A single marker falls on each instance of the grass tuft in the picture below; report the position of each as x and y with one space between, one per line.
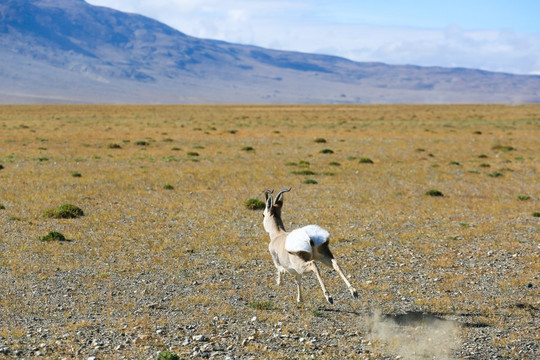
168 187
326 151
262 305
434 192
495 174
66 211
248 148
536 214
167 355
142 143
304 172
523 197
53 236
254 204
76 174
365 160
114 146
503 147
320 140
310 181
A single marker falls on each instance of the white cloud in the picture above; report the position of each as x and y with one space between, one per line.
295 25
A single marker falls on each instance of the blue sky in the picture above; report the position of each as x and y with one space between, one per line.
491 35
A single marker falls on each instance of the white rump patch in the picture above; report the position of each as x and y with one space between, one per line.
300 239
317 234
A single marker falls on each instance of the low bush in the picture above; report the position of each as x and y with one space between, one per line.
310 181
434 192
53 236
365 160
66 211
167 355
255 204
326 151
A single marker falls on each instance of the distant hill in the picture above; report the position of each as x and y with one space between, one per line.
68 51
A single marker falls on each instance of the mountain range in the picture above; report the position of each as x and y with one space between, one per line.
68 51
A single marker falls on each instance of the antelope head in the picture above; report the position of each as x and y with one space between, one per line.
272 211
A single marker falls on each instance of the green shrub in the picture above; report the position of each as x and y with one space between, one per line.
310 181
192 153
2 207
326 151
304 172
167 355
248 148
168 187
484 165
495 174
503 147
262 305
76 174
53 236
536 214
114 146
1 166
255 204
455 163
304 163
523 197
66 211
365 160
142 143
434 192
334 163
482 156
320 140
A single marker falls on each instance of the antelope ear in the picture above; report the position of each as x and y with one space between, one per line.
269 203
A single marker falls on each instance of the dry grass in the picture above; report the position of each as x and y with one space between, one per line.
436 252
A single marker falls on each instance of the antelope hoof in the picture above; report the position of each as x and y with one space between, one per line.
330 300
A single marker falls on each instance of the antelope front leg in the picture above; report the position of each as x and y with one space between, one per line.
313 267
299 298
279 277
336 267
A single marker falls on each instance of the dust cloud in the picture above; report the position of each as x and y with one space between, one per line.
414 335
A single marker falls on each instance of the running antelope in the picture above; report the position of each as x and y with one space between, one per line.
297 251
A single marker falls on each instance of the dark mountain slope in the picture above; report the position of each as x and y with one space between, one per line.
70 51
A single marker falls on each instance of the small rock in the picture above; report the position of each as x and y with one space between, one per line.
200 338
253 319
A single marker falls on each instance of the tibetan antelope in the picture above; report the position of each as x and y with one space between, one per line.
297 251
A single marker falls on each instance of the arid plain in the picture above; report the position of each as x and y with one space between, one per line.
167 256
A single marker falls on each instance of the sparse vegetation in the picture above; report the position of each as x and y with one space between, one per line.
310 181
262 305
254 204
168 355
76 174
66 211
502 147
326 151
168 187
523 197
114 146
365 160
142 143
304 172
320 140
53 236
434 192
248 148
154 270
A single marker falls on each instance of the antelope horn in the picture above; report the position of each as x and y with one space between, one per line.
267 193
279 195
